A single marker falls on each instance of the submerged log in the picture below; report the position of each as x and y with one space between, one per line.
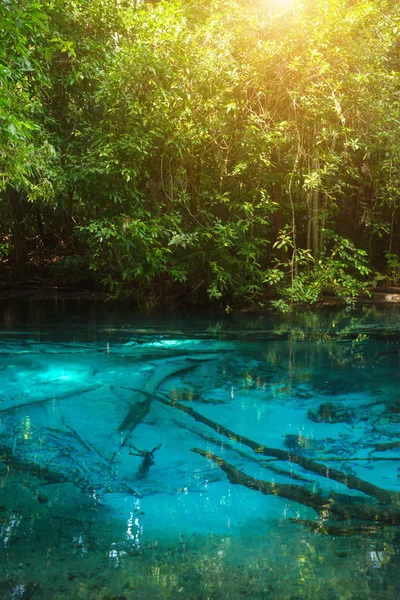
136 414
326 528
138 411
294 492
26 466
387 446
172 370
33 403
360 459
268 463
328 506
350 481
81 440
334 507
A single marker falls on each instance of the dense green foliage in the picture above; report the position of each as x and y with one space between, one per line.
214 151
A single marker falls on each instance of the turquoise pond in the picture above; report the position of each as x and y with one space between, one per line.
135 450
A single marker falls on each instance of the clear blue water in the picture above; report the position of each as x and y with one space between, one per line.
86 511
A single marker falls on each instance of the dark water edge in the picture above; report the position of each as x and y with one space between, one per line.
91 308
59 541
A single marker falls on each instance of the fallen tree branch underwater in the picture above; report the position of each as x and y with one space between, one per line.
350 481
387 446
343 507
139 410
8 457
325 528
267 463
327 507
387 512
53 398
360 459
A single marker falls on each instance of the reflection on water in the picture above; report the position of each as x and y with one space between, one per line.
199 457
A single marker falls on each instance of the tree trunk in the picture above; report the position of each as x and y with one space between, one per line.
40 227
278 224
276 193
19 247
309 222
69 220
315 200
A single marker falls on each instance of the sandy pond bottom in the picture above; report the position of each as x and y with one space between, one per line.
82 516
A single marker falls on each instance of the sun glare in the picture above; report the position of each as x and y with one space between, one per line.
282 5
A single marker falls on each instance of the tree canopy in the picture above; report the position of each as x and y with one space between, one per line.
223 152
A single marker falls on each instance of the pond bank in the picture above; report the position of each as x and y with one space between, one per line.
25 292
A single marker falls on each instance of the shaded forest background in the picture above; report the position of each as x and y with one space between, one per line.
208 152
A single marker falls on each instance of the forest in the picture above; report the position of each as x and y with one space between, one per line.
217 153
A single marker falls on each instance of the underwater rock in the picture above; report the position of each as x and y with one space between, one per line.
303 394
328 412
299 443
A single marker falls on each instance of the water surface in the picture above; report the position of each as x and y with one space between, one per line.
105 420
